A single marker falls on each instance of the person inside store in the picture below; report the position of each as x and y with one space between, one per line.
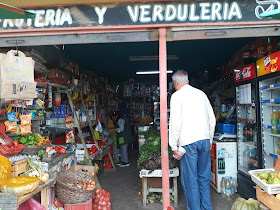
191 131
124 137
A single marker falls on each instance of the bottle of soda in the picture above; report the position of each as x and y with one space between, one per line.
223 187
232 186
245 130
228 190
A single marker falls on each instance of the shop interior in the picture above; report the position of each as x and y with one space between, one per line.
105 77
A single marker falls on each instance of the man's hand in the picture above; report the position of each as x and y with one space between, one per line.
177 155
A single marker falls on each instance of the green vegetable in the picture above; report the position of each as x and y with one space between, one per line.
41 153
21 139
250 204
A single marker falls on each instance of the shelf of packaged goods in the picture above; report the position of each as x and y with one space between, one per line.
271 127
271 155
275 135
243 169
245 120
243 104
271 87
271 102
249 144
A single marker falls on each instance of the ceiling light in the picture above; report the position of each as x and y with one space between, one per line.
152 72
151 58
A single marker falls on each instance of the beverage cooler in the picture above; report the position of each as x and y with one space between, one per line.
268 73
248 154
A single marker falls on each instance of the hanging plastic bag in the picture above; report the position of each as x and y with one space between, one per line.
31 204
12 117
70 137
25 129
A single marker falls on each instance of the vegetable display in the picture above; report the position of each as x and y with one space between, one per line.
20 185
35 170
101 200
5 167
33 139
151 151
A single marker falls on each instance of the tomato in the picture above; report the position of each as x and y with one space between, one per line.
90 152
60 149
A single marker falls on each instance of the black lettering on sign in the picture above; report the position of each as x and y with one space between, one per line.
18 88
14 89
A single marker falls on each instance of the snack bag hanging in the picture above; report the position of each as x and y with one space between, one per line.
25 129
70 137
26 119
12 117
10 126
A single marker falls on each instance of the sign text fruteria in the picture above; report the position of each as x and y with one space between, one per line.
144 13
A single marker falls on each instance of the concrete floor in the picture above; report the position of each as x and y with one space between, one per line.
124 185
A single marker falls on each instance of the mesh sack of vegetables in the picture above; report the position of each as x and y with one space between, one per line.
250 204
69 189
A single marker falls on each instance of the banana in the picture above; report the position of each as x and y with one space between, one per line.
88 98
96 134
9 109
75 95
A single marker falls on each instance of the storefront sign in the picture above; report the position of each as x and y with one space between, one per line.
268 64
145 13
245 73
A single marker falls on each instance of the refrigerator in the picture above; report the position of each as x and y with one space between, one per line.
248 151
268 77
223 161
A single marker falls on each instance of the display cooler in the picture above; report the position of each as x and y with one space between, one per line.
248 154
269 92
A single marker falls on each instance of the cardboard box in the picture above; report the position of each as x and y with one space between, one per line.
89 170
269 200
155 182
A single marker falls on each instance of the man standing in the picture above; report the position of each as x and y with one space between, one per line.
191 131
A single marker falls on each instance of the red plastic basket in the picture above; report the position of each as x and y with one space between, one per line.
6 147
107 162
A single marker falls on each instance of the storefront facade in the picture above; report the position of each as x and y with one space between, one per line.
76 23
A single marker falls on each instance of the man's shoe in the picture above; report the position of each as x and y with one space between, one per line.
118 163
125 164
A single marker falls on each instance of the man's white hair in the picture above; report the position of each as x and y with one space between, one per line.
180 76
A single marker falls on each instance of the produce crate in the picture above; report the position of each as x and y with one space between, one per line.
269 200
269 188
226 128
19 167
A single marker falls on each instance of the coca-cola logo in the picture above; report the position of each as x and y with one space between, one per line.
244 73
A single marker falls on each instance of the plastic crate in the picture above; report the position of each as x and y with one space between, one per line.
226 128
6 148
269 188
158 173
107 162
79 206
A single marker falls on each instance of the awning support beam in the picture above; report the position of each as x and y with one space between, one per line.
163 118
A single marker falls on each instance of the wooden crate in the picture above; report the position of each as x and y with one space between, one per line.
19 167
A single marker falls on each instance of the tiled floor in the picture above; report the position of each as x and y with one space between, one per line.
124 185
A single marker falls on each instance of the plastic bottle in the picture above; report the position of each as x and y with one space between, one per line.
228 190
223 187
232 186
274 121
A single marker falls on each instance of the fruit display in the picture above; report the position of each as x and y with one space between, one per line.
272 177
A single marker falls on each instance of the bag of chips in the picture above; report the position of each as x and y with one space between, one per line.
25 129
10 126
26 119
70 137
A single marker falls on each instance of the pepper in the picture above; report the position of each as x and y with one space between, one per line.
60 149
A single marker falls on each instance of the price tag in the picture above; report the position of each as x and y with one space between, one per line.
272 100
271 86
